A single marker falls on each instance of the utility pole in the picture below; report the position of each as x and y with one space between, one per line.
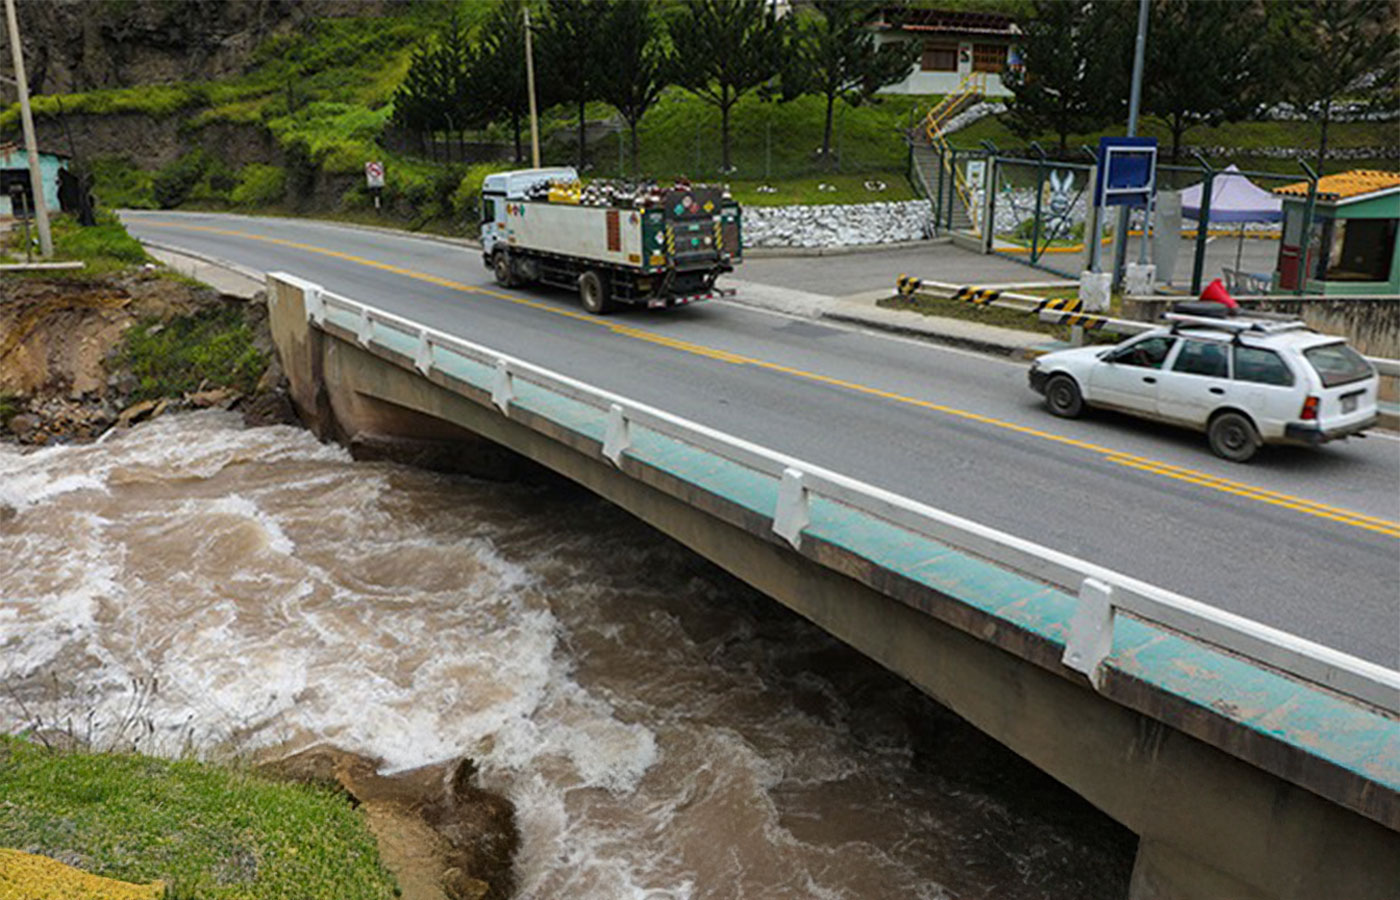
36 177
530 83
1120 250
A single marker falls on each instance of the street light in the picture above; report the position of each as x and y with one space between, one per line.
36 177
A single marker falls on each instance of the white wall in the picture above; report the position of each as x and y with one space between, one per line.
921 82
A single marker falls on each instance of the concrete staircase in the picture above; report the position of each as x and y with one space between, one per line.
933 179
932 154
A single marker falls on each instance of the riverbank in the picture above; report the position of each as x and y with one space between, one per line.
86 356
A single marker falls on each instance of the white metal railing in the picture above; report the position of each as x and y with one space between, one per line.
1102 592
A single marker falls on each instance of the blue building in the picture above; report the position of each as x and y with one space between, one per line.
14 164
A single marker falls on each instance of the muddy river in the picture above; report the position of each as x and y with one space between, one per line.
664 731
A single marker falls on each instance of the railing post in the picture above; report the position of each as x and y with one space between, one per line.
618 437
364 331
791 516
1039 191
423 355
1305 239
1090 639
315 304
1202 225
503 387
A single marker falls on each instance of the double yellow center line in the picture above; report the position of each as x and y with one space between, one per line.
1139 463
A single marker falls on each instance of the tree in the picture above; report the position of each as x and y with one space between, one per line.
1189 79
1329 50
1072 77
834 54
721 50
500 76
569 53
438 91
634 73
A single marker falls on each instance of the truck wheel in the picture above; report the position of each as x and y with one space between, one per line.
1063 398
500 265
593 293
1232 436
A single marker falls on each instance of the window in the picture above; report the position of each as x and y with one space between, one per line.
1148 354
1261 367
1337 364
488 209
1202 358
940 57
1356 249
988 57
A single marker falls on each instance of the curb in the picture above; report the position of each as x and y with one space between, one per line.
236 268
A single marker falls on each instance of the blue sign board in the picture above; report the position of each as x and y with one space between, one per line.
1127 171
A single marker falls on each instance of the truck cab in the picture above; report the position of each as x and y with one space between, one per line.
500 187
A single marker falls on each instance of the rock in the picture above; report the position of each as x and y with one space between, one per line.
23 425
138 412
458 885
220 397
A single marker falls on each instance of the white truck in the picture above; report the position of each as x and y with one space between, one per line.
655 246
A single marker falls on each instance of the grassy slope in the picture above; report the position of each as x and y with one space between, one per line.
208 831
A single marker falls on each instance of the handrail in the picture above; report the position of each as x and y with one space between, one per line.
973 84
1102 591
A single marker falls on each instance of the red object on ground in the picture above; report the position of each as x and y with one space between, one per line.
1215 293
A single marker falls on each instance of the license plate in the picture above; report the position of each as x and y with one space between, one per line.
1349 402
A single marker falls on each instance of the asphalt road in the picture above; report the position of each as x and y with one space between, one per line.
1303 540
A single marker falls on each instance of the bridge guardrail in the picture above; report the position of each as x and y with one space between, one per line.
1102 592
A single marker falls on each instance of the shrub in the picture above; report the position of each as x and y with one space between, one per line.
465 202
259 185
118 182
173 182
213 347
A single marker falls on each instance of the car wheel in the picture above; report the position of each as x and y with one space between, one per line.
500 265
1063 398
1232 436
593 293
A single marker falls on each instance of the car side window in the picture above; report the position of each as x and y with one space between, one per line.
1148 354
1260 366
1202 358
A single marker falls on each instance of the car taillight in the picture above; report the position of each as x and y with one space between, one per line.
1309 413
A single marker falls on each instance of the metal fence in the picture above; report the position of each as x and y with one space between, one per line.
1028 206
803 493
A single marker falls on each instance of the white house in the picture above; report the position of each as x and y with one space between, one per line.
955 43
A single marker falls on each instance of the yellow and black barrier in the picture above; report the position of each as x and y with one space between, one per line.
906 285
975 295
1051 310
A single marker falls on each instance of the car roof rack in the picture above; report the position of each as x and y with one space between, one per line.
1238 325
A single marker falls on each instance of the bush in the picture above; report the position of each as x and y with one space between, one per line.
104 247
465 201
213 348
260 185
120 183
174 182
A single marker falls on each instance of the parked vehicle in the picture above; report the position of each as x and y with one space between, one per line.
613 243
1243 381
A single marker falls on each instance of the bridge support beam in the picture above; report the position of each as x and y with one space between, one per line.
1211 825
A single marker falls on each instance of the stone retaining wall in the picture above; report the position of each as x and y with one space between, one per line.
838 225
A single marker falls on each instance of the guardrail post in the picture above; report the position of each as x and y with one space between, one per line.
314 303
503 387
791 516
364 332
423 356
1090 638
618 438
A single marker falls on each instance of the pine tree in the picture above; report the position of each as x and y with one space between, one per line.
835 55
721 50
568 55
633 73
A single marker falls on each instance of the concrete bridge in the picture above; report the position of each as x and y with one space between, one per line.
1251 763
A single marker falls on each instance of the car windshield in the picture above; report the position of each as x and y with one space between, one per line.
1337 364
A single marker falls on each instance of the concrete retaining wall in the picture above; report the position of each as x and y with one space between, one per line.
837 225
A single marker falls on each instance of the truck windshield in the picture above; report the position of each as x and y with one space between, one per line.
1337 364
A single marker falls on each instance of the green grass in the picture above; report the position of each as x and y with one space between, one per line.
989 315
210 832
103 248
212 348
9 407
805 190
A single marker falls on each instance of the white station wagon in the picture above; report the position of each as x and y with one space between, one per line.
1243 381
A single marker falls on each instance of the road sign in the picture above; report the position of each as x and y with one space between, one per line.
374 174
1127 171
